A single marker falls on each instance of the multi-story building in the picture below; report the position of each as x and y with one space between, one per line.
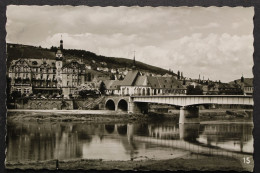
49 76
33 76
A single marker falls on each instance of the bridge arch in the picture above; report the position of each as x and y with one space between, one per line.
122 105
110 128
122 130
110 105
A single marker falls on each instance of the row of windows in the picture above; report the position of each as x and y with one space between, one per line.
73 76
25 90
72 70
73 83
249 88
24 69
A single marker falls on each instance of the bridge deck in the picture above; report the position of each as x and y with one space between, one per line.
186 100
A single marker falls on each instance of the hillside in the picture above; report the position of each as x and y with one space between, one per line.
16 51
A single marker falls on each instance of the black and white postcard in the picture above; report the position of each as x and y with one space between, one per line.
129 88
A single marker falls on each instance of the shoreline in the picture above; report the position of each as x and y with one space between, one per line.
113 116
185 163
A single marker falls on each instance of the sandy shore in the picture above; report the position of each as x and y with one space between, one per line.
202 163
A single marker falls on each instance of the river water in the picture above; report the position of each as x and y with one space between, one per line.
157 140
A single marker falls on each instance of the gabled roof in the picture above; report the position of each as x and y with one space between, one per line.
108 83
116 84
141 81
248 82
74 64
130 78
164 82
36 62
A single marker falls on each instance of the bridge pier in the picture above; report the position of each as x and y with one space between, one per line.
189 114
137 107
189 132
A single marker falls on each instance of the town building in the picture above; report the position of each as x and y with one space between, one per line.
53 75
246 84
136 84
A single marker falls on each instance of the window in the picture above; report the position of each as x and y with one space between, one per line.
18 89
26 90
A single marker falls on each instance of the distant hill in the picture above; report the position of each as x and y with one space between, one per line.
16 51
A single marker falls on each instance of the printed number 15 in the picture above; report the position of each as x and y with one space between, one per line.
246 160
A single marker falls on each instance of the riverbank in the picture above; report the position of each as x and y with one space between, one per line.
113 116
73 116
186 163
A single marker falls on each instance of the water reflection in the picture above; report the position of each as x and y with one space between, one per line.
64 141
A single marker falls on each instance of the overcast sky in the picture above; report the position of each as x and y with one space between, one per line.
216 43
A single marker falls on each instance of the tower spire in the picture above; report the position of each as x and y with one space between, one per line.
134 61
61 43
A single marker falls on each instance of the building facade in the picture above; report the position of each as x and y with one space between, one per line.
50 76
136 84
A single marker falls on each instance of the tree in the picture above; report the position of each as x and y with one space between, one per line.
184 82
194 91
178 73
89 76
87 89
112 77
102 88
121 77
16 94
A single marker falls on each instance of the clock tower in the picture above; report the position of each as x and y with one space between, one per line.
59 59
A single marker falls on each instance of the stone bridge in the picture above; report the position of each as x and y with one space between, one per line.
117 103
188 104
